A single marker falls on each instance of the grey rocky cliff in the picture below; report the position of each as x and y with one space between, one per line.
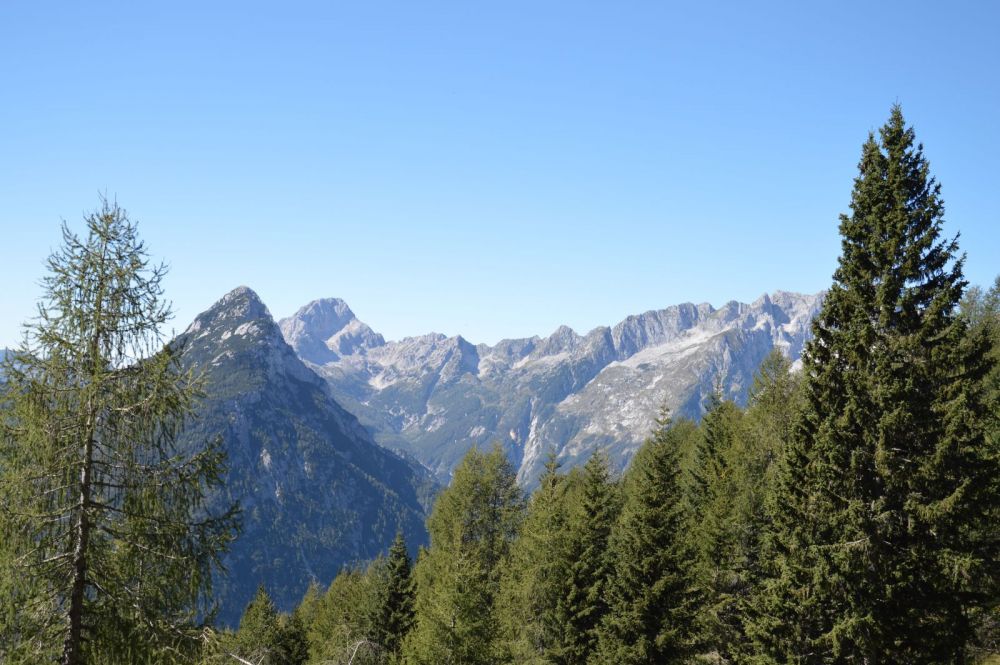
434 397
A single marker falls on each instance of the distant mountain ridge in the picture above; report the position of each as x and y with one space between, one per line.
434 396
316 491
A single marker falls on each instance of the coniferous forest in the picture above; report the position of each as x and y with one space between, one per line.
848 513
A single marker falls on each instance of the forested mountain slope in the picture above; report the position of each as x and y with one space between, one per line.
315 490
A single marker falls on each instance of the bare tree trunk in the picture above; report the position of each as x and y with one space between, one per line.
74 638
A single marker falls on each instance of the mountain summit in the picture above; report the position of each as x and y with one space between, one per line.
434 397
316 491
326 330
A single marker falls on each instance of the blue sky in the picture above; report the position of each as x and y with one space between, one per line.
483 168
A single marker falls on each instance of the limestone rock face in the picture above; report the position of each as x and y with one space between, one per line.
433 397
326 330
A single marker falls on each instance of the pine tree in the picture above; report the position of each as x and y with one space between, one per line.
652 600
392 608
103 507
883 537
590 562
535 582
472 526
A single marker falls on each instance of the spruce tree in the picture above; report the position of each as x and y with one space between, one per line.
768 424
472 526
590 562
651 592
293 640
715 530
101 505
391 617
981 309
259 633
535 582
338 625
268 637
883 537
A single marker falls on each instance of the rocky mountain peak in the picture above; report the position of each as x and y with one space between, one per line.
563 339
316 491
240 312
326 330
322 317
237 337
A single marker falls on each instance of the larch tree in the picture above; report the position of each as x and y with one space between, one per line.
259 634
338 622
103 510
885 537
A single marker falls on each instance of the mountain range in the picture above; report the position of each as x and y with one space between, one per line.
433 397
337 438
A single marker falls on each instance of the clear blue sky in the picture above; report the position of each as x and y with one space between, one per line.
492 169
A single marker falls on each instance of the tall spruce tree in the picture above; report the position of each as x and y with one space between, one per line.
651 594
883 538
392 610
535 582
102 505
716 530
472 526
266 636
338 623
590 561
981 308
773 402
259 636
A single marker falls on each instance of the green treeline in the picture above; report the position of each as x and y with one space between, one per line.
850 513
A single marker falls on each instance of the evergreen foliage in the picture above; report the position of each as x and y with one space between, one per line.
715 530
883 539
767 426
107 544
392 607
981 309
267 637
472 527
651 592
337 624
535 583
590 559
258 634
